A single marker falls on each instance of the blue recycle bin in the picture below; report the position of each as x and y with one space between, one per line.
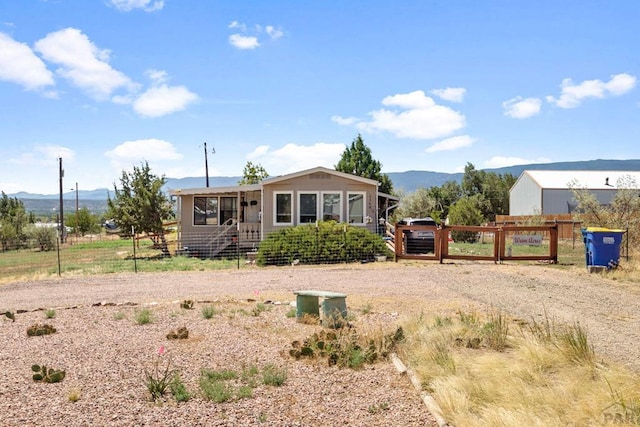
602 247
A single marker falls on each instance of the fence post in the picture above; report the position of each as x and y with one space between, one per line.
135 258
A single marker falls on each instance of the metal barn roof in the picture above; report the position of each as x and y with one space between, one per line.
593 180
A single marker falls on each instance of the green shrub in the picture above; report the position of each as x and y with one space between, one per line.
328 242
44 237
144 316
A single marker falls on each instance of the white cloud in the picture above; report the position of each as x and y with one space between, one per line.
451 144
572 95
243 42
236 24
146 5
519 108
82 62
18 64
273 32
417 116
292 157
344 121
500 161
162 100
132 153
453 94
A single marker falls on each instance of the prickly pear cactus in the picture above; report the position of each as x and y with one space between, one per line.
178 334
38 329
47 375
187 304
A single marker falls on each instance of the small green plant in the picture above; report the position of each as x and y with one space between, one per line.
214 389
119 315
10 315
158 378
186 304
178 389
440 322
273 376
178 334
47 375
38 330
50 313
259 308
380 407
208 311
249 374
144 316
244 392
291 313
468 319
222 375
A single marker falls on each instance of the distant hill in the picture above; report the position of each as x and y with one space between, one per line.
409 181
412 180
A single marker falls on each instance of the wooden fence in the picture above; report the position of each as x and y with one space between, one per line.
501 250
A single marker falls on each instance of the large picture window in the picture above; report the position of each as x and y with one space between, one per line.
205 211
356 207
331 207
283 208
308 207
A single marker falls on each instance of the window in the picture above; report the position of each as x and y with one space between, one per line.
205 211
228 208
283 208
308 207
356 208
331 207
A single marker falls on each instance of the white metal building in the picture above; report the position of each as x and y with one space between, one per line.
548 192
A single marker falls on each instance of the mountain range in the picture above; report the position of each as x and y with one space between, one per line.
408 181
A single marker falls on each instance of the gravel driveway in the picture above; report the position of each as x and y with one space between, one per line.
104 358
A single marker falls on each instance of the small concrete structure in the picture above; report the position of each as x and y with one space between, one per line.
334 306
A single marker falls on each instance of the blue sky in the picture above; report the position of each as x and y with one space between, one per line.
430 85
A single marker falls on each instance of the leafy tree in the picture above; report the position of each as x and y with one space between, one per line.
44 237
418 204
87 223
623 211
253 174
357 160
13 219
491 188
444 197
141 203
466 211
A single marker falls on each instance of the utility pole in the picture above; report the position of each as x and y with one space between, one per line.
63 233
206 163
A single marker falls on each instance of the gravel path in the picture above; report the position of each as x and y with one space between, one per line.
105 357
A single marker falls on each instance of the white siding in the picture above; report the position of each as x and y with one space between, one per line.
548 192
525 197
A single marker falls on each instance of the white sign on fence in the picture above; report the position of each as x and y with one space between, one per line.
527 239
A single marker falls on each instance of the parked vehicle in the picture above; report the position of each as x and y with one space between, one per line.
419 241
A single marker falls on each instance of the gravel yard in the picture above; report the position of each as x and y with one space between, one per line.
105 352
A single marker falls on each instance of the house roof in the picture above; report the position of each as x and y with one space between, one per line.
215 190
592 180
272 180
318 169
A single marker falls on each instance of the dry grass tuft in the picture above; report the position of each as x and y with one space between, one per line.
544 375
